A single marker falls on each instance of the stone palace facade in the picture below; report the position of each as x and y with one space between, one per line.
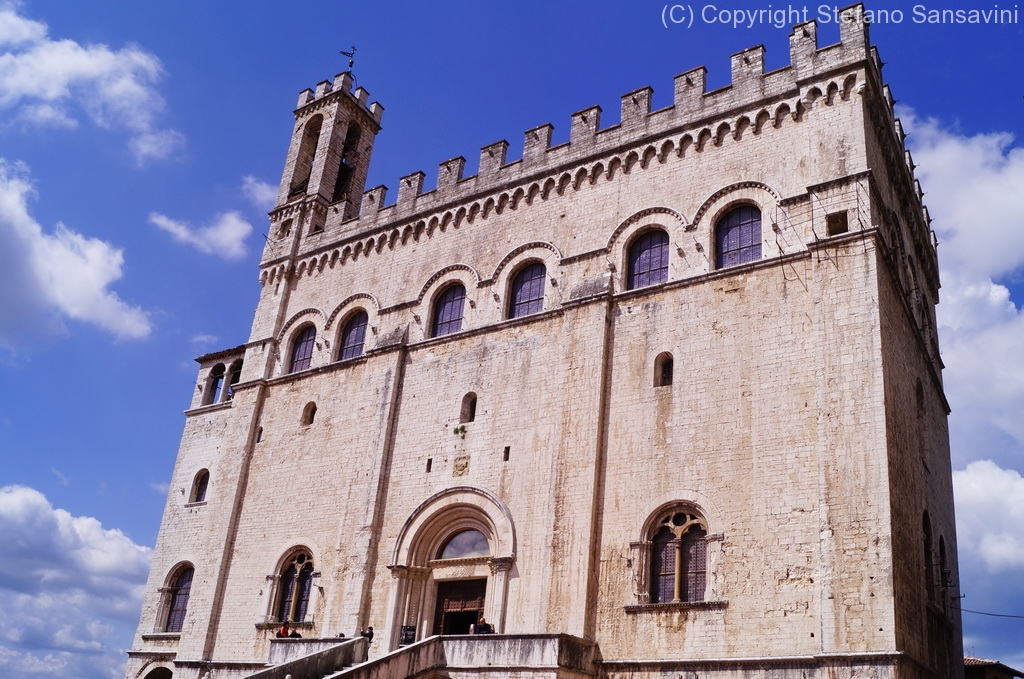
662 401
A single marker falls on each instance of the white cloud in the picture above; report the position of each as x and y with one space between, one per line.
973 193
16 30
52 82
225 237
48 116
155 145
67 586
990 515
46 276
972 186
260 193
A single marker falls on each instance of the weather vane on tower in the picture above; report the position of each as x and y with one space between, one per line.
351 57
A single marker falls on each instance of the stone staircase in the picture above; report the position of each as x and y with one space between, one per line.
311 658
540 656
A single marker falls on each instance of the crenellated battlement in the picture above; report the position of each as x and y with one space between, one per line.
697 120
342 85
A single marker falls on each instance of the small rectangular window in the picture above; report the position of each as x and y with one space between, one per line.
837 223
504 456
430 463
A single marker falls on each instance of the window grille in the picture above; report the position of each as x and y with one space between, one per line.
302 350
448 311
648 260
353 336
528 291
179 600
738 237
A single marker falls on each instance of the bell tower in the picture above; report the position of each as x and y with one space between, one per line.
329 155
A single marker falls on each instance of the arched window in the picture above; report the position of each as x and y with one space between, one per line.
302 349
448 311
234 375
528 291
179 591
929 574
663 370
663 565
199 486
296 584
945 576
465 544
352 336
648 260
678 559
305 157
349 154
468 411
738 237
214 385
308 414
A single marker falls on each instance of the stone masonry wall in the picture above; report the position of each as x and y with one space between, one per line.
785 426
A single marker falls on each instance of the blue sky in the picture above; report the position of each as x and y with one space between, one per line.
139 143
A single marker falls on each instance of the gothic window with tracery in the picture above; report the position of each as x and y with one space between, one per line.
678 559
295 587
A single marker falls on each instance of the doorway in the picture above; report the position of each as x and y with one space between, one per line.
460 603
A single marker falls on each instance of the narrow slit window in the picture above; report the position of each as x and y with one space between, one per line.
308 414
468 411
663 366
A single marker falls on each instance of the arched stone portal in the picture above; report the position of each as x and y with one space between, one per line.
440 564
